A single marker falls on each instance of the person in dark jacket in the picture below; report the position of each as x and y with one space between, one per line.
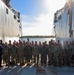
1 53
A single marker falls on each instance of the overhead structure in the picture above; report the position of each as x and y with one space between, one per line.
10 25
64 22
7 2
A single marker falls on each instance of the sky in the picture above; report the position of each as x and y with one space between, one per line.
37 16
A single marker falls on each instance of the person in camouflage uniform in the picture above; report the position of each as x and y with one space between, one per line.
21 53
55 54
6 52
67 49
14 53
24 43
36 53
10 46
69 53
1 49
59 53
17 58
28 52
72 54
64 57
50 52
44 53
32 44
40 49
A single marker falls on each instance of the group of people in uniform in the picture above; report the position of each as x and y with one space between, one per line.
52 53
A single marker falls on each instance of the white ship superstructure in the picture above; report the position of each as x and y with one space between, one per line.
10 26
64 22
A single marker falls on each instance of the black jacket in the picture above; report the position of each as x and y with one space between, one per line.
0 50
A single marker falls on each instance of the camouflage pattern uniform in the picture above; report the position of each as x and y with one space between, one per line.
36 52
28 52
1 48
60 55
14 54
50 52
10 47
64 57
55 54
72 54
70 47
40 49
6 52
21 53
44 53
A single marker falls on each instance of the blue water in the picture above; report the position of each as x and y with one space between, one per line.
37 39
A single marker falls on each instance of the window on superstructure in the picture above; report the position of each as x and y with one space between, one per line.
14 17
6 11
18 20
59 17
18 15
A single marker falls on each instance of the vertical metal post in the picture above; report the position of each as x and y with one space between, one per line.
70 18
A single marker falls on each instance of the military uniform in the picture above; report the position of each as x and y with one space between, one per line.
49 55
6 56
69 54
40 49
64 57
1 48
36 53
60 55
14 54
28 52
44 53
21 53
55 54
10 47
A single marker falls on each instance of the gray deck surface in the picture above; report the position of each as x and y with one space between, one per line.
31 70
50 70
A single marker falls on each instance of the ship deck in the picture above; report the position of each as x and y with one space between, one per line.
31 70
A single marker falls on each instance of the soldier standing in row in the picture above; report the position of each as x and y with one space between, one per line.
1 48
59 53
10 46
44 53
21 53
14 54
72 53
36 53
69 53
50 52
64 57
28 52
6 52
55 54
40 49
32 44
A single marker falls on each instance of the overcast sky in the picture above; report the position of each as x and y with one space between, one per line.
37 15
